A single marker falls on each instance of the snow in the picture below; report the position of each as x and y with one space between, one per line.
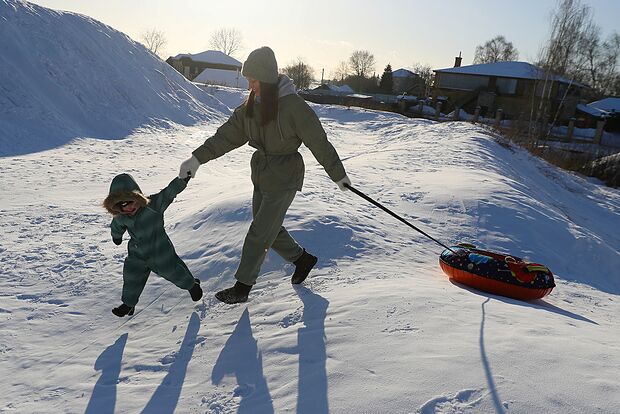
222 77
592 110
344 89
608 104
377 327
211 56
64 75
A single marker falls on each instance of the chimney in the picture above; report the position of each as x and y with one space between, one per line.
457 61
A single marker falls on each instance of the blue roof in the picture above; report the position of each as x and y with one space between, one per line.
607 104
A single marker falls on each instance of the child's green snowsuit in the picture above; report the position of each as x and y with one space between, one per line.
149 248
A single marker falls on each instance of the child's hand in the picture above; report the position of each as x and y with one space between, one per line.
117 241
190 166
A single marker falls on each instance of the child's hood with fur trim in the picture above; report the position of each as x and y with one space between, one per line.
123 188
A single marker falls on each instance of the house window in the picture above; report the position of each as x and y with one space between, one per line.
506 86
463 82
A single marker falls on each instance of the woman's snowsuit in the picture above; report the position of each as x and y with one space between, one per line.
149 248
277 170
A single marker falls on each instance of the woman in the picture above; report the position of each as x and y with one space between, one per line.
275 121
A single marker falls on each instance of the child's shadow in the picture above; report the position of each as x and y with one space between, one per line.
167 395
242 358
103 398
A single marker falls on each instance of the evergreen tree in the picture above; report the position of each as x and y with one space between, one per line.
386 85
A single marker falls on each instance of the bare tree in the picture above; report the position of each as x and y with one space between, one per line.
301 73
571 29
590 49
362 62
426 73
154 40
227 40
570 24
497 49
609 73
342 71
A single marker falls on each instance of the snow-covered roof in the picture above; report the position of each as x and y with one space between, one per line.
359 95
403 73
222 77
519 70
590 110
607 104
335 88
210 56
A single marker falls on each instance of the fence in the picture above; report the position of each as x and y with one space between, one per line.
420 109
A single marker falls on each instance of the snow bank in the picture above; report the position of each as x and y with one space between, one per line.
64 75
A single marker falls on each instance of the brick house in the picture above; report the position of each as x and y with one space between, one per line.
511 86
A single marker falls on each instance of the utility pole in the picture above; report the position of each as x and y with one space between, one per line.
322 73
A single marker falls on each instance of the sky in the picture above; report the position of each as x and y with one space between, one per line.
325 32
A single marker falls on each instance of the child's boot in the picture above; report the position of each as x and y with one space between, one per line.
123 310
196 291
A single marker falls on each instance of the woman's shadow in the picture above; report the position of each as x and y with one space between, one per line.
166 396
312 385
242 358
103 398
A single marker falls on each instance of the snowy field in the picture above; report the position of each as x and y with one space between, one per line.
376 328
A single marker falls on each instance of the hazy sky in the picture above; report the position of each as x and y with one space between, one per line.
325 32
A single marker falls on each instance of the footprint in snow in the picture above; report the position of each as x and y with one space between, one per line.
452 404
292 318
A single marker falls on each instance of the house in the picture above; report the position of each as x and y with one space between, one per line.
514 87
405 81
191 66
607 109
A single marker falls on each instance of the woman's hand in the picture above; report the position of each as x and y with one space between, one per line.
341 183
189 166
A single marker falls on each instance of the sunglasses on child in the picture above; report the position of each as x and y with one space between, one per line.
122 204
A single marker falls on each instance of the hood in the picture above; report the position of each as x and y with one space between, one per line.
124 182
123 188
285 86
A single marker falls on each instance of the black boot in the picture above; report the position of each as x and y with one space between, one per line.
303 265
236 294
123 310
196 291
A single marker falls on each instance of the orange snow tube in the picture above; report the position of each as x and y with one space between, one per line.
496 273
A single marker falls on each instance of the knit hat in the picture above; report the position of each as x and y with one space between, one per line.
261 65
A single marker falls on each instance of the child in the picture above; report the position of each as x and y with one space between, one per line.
149 248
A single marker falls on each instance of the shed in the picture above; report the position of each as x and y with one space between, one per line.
191 65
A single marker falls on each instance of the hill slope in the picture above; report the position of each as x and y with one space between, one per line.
64 75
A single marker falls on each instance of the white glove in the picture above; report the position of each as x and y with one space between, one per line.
342 182
190 166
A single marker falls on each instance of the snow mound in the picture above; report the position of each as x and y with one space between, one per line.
65 75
